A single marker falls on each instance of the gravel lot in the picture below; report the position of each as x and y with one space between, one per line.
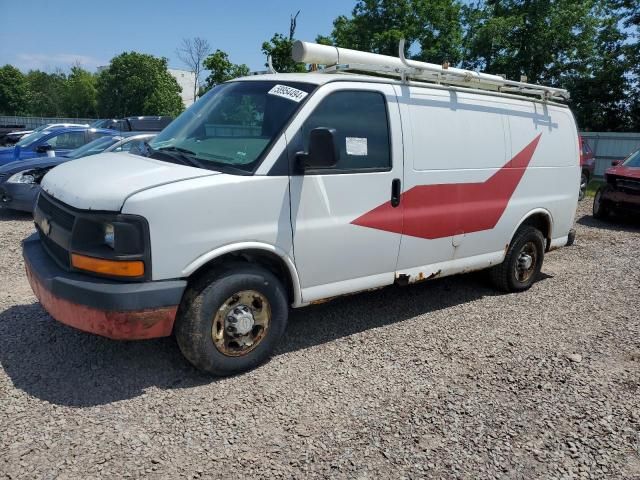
446 379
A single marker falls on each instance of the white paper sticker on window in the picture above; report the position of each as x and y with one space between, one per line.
289 93
356 146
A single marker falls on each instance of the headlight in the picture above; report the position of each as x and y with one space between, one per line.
105 244
25 176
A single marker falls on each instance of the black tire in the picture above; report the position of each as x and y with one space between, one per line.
584 181
600 210
505 275
202 302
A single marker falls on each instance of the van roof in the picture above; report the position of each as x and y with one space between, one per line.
319 78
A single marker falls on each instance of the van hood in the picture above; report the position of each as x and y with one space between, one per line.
104 181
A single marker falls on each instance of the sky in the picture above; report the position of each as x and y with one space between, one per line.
45 35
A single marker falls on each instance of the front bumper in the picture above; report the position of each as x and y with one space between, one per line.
121 311
18 196
621 200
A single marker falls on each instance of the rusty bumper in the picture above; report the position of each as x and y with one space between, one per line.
121 311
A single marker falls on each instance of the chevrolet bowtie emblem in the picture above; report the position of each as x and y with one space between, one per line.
45 226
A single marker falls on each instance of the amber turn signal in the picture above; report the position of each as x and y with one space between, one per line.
120 268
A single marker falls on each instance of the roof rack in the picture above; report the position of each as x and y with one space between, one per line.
345 60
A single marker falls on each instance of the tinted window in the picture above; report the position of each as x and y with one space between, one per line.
67 141
362 130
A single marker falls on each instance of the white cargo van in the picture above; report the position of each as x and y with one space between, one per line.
282 190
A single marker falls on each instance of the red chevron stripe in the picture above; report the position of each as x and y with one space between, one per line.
443 210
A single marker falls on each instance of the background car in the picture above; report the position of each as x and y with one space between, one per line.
621 191
134 124
587 166
20 181
60 140
11 138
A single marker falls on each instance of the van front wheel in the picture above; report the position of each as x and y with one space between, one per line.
231 320
522 263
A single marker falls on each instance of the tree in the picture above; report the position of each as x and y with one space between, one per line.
538 38
599 97
46 93
80 96
434 26
576 45
13 91
279 48
193 53
138 84
222 70
631 9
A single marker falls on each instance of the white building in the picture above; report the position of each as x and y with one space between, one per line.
185 79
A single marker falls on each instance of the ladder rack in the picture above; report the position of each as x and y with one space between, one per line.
352 61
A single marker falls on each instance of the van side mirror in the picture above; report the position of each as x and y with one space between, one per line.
322 150
43 148
615 163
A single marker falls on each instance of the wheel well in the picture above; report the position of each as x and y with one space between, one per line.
586 173
542 222
268 260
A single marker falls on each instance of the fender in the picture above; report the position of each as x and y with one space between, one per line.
238 247
529 214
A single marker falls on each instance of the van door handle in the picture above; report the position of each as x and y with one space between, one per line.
395 192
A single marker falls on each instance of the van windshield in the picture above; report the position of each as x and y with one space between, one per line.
231 126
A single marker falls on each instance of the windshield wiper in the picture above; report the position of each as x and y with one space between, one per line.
177 149
182 155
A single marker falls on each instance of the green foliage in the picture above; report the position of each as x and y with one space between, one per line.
81 94
13 91
46 91
137 84
279 47
378 26
573 44
222 70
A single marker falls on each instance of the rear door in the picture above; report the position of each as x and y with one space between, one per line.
342 243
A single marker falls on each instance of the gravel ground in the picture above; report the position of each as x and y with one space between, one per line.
446 379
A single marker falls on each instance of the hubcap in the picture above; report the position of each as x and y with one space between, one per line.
526 264
241 323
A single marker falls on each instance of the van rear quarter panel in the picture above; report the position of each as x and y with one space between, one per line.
454 137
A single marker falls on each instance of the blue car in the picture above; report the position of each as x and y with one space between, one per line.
61 141
20 180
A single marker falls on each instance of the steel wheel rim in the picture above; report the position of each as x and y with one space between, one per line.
246 334
526 262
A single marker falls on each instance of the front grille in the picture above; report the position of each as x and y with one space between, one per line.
56 214
58 253
628 185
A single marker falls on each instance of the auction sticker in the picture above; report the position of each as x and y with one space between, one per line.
289 93
356 146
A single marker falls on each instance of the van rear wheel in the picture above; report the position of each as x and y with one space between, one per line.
231 320
523 261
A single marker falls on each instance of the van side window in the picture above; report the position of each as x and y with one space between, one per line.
362 129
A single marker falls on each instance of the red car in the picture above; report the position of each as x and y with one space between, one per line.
587 166
621 191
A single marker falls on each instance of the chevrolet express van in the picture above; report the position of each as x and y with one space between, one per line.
283 190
